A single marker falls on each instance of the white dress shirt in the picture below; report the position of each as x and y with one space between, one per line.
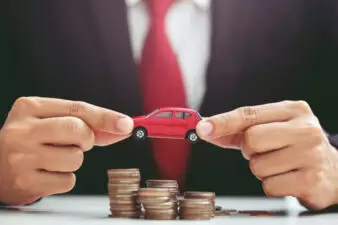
188 29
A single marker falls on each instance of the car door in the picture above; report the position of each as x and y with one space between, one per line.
160 124
180 125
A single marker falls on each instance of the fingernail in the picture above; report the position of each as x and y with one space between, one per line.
125 125
205 128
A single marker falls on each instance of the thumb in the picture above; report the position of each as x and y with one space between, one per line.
206 130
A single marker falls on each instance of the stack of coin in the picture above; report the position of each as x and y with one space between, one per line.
195 209
202 195
158 203
171 185
123 186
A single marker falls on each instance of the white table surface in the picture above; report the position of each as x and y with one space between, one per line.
66 210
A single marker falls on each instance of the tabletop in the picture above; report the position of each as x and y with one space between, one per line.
73 210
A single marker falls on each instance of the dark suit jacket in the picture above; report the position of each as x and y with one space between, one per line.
261 51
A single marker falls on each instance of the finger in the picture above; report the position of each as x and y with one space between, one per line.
258 138
104 138
56 183
279 161
287 184
230 141
272 136
96 117
242 118
64 131
268 137
43 183
60 159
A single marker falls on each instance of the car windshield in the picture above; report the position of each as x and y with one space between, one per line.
152 112
199 115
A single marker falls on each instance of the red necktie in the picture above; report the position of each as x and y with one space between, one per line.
162 86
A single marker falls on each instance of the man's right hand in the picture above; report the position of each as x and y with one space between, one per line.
43 141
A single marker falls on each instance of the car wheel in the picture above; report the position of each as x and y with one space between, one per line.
192 137
140 133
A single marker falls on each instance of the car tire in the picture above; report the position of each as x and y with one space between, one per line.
140 134
192 137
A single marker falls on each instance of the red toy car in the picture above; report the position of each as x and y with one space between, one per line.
168 122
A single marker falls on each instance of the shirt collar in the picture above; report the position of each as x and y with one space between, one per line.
202 4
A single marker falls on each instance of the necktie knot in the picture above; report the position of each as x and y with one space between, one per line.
159 8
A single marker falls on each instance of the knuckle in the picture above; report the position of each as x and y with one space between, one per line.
74 125
11 134
313 178
8 135
315 133
14 159
311 129
249 114
301 106
26 103
85 136
23 182
318 156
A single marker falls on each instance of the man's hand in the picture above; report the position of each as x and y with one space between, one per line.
286 147
43 142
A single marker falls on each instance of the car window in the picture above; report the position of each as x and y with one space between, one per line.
163 115
187 115
179 115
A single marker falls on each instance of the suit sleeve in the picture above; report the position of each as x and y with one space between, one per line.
7 65
333 76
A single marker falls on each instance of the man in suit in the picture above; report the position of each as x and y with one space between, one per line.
94 64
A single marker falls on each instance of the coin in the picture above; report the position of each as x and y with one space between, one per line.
118 173
153 192
132 180
154 199
162 205
199 194
162 183
126 214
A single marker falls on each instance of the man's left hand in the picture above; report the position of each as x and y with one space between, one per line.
286 147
